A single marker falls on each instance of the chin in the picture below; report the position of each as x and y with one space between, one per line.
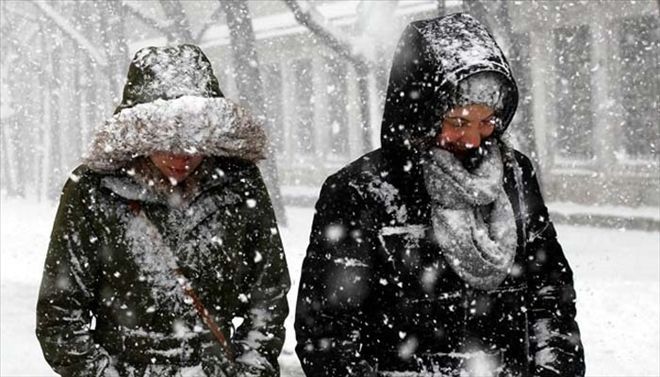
460 154
177 178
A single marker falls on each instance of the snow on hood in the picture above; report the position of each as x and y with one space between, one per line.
190 124
432 57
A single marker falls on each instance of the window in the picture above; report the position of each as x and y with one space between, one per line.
574 132
337 117
640 86
303 135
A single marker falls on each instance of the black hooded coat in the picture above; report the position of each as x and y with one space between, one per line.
125 241
376 295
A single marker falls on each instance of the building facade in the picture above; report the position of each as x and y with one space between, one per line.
588 110
587 72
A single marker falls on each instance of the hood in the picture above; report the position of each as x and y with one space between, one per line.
431 59
192 125
172 103
168 73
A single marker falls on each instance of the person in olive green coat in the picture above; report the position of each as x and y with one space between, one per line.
165 237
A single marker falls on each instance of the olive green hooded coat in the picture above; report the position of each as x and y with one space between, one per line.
110 303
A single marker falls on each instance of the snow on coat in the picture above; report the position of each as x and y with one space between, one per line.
109 301
376 295
104 261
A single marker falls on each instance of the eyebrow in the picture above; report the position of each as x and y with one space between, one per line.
466 119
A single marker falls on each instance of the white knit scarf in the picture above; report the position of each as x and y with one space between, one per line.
473 221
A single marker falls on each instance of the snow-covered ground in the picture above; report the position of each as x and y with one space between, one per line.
617 277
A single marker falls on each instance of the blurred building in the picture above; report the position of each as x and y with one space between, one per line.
591 87
587 72
588 113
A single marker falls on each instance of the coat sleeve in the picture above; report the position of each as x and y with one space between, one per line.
334 284
67 295
260 337
555 344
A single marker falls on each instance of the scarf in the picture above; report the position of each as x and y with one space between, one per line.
178 196
473 221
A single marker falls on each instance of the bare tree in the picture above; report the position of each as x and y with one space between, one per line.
180 26
18 101
89 60
442 7
107 51
177 19
65 25
250 87
213 18
112 16
153 23
315 22
9 130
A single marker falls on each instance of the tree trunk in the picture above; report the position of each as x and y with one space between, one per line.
180 27
116 49
343 49
364 99
54 152
46 120
442 7
75 123
478 10
6 173
250 89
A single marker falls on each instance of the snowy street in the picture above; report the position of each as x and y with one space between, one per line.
617 276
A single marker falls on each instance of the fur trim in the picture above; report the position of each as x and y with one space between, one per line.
188 124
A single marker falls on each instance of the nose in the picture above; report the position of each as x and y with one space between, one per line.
470 139
180 161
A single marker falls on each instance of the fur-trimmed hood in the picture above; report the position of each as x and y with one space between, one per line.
172 103
188 124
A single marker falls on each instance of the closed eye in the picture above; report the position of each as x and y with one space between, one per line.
457 122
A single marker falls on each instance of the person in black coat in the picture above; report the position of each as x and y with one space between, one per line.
434 255
166 234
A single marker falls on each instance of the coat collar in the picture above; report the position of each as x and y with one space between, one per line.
142 181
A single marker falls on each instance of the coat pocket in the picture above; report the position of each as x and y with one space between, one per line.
499 320
402 246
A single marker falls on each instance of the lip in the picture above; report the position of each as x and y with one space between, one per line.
454 148
179 170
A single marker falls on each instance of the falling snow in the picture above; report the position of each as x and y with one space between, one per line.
310 103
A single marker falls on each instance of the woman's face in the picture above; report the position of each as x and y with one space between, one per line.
464 128
175 166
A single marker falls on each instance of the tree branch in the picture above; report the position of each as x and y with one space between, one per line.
19 13
149 21
212 19
250 87
98 56
310 19
179 27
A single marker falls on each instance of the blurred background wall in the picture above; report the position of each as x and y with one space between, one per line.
316 72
